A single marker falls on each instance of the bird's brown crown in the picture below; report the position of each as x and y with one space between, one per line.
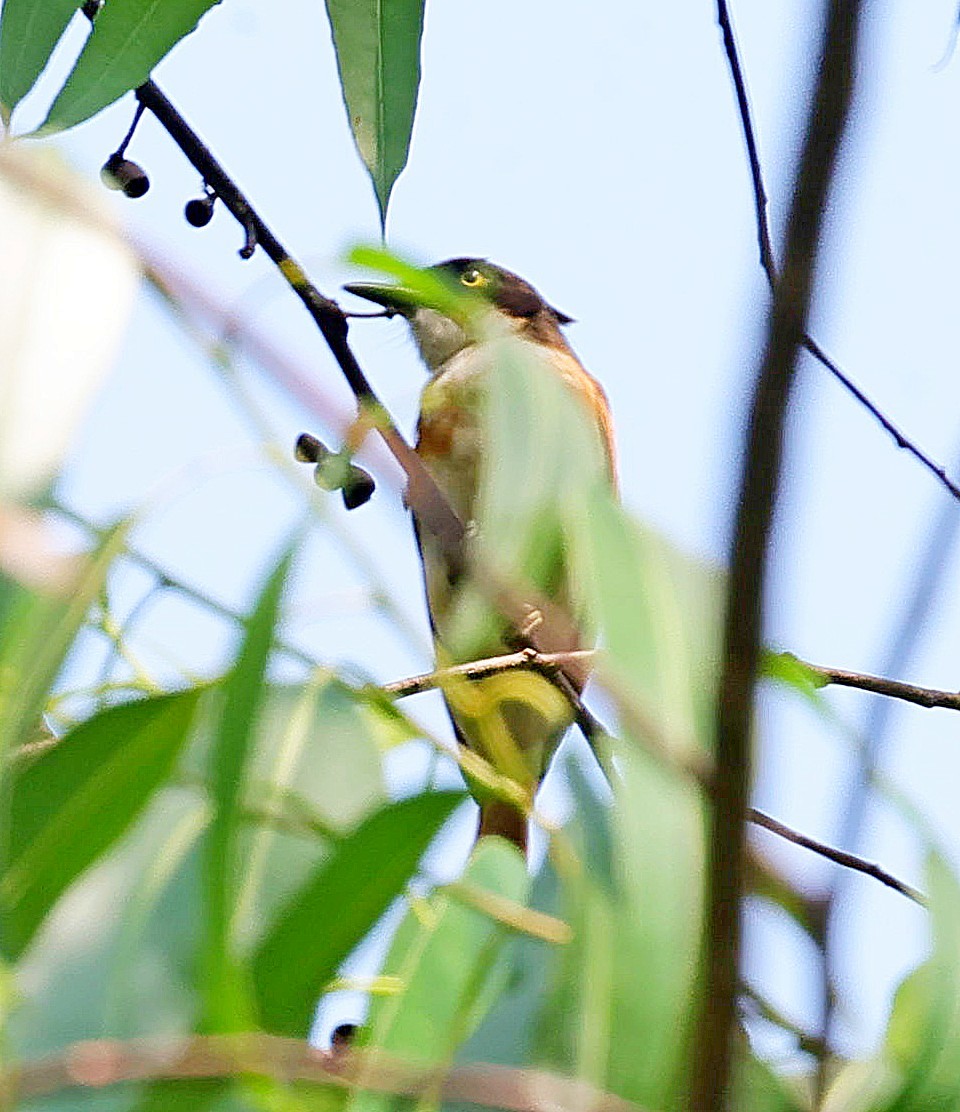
503 288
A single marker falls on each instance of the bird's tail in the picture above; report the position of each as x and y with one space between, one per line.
498 817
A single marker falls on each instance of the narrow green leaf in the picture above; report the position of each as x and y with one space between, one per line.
447 958
425 286
757 1088
333 911
317 765
629 977
71 802
378 57
923 1035
508 1033
229 760
36 633
29 30
129 38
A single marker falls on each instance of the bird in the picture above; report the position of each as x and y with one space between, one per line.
513 719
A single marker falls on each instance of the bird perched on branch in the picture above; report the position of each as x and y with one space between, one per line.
491 338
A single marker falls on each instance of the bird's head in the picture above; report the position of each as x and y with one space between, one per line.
480 295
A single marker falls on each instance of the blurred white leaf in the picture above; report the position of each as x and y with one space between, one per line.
67 283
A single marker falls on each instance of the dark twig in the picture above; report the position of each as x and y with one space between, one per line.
901 441
748 564
769 265
767 260
847 860
477 669
894 689
807 1042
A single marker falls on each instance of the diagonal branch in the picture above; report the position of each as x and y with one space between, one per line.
838 856
768 262
759 482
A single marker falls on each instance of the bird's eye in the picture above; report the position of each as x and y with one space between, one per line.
472 277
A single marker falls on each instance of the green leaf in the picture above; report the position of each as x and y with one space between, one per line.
378 57
423 285
129 38
757 1088
447 959
36 632
29 30
923 1035
317 767
243 696
71 802
337 906
508 1032
630 975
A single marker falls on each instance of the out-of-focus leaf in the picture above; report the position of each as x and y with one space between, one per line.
71 802
862 1087
508 1032
128 39
387 723
923 1034
229 760
317 765
447 958
36 632
423 285
757 1088
29 30
791 670
624 998
336 907
378 57
57 341
621 1001
767 883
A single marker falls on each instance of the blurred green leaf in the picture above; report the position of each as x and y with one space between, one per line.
387 723
446 957
378 57
861 1086
789 670
766 882
317 767
424 285
128 39
507 1033
244 692
923 1034
757 1088
29 30
336 907
630 976
71 802
36 633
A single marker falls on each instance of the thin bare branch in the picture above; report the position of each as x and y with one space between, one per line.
894 689
768 263
847 860
478 669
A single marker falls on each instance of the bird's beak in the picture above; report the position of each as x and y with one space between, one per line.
397 298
